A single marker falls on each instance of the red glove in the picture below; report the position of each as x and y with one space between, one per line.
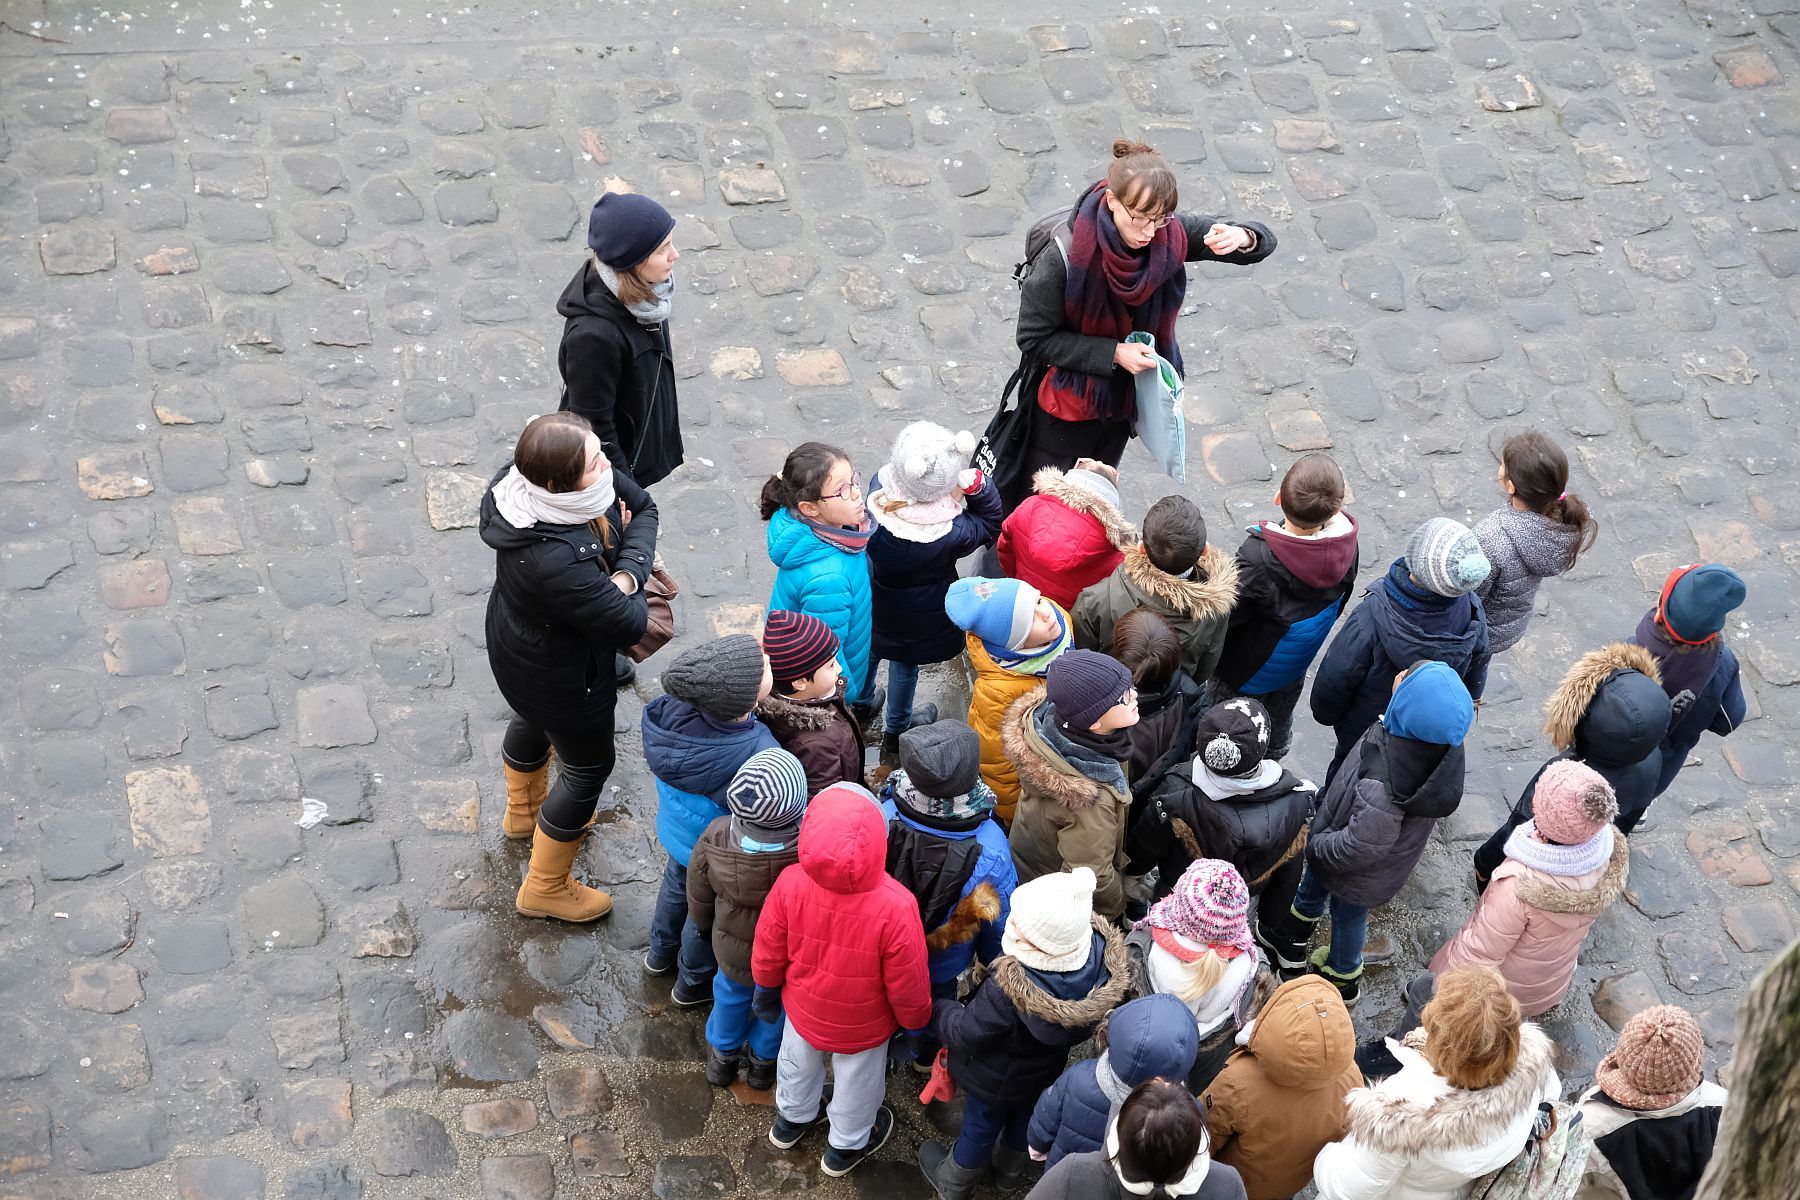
940 1086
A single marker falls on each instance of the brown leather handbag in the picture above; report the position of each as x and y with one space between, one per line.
660 591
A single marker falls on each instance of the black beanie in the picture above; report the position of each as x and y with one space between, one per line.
625 228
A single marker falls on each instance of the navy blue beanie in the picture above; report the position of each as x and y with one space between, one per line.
625 228
1430 705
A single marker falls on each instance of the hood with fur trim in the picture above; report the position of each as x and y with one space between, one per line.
1035 1004
1538 891
1610 706
980 906
1052 483
1201 599
1040 768
779 712
1405 1115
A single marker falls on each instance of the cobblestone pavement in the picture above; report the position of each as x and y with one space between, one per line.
272 305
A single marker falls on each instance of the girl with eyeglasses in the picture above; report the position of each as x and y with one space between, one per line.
819 531
1118 266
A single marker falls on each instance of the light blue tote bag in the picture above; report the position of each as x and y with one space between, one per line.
1161 424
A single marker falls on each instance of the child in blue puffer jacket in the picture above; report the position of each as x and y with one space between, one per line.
819 533
947 850
1151 1038
695 739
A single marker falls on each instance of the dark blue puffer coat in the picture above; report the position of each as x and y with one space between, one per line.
1151 1038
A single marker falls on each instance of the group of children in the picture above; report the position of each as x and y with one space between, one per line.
1100 826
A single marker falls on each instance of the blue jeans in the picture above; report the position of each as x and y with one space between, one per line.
731 1022
902 685
673 935
983 1125
1349 924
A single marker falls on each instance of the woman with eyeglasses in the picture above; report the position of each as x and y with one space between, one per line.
1117 268
819 531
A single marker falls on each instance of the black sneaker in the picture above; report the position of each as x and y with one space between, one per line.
691 997
1349 986
721 1068
1286 951
656 966
839 1163
890 744
866 714
783 1134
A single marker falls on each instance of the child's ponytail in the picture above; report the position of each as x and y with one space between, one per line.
1539 472
802 478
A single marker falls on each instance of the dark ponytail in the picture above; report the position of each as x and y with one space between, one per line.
802 478
1539 472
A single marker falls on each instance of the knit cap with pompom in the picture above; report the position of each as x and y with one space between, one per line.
1572 803
927 459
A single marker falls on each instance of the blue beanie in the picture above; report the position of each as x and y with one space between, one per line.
625 228
1696 600
998 611
1430 705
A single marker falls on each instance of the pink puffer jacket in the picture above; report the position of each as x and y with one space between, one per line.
1530 925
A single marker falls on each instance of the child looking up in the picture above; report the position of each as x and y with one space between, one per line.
805 710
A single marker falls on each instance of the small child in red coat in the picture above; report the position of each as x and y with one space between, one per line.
841 947
1071 534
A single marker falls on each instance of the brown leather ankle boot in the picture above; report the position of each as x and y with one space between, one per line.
549 891
525 792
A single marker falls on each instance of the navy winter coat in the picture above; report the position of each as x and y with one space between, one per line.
693 757
911 578
1013 1037
555 618
1718 705
1388 632
1375 816
1291 591
1150 1038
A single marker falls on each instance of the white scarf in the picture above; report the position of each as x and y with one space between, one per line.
524 504
648 312
1552 859
1218 787
1188 1185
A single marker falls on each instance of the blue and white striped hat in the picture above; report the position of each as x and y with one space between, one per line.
769 790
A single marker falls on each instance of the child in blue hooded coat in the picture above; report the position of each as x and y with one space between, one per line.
819 533
695 739
1150 1038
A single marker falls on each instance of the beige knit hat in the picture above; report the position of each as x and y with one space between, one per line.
1050 927
1656 1062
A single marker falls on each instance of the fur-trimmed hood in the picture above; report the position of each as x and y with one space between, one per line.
1034 1003
1535 889
1052 483
980 906
1418 1112
1601 710
778 711
1200 599
1041 769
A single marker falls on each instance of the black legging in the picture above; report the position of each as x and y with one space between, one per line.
584 756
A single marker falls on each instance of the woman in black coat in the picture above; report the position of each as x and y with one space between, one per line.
618 370
1117 266
573 542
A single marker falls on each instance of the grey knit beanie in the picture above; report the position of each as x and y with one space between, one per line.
720 678
1445 557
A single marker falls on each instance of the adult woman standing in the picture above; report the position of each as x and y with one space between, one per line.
573 542
1117 267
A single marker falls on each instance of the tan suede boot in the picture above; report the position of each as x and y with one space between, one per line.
525 792
548 891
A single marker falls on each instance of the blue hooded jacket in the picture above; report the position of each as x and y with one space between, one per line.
994 867
693 758
1150 1038
814 577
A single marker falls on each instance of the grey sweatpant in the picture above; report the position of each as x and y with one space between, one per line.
861 1086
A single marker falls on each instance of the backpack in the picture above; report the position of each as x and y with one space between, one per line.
1551 1165
1045 230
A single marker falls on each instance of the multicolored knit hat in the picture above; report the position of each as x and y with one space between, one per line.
1209 908
1656 1062
797 645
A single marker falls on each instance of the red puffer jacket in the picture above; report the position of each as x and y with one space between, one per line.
840 936
1063 539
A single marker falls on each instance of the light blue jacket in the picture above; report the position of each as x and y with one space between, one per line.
814 577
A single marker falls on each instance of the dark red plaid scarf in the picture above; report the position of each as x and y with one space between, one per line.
1111 292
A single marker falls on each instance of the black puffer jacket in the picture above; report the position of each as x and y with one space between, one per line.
1377 813
555 619
1610 712
1254 831
620 375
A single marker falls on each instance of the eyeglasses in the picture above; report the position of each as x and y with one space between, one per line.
1138 218
853 488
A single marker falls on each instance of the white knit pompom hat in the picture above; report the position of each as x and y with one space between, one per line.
927 459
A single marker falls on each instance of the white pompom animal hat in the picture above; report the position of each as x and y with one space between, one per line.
927 459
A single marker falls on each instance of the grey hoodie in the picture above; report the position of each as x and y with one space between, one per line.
1525 548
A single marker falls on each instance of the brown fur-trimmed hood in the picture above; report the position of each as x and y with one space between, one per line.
1032 1001
1586 902
1040 768
1572 697
1052 483
981 905
1200 599
1389 1120
797 714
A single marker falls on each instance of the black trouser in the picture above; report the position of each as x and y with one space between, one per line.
584 760
1058 443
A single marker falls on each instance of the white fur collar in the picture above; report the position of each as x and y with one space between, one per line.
1188 1185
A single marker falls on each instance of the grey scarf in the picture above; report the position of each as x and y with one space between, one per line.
650 312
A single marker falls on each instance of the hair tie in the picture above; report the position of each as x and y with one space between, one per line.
1562 497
